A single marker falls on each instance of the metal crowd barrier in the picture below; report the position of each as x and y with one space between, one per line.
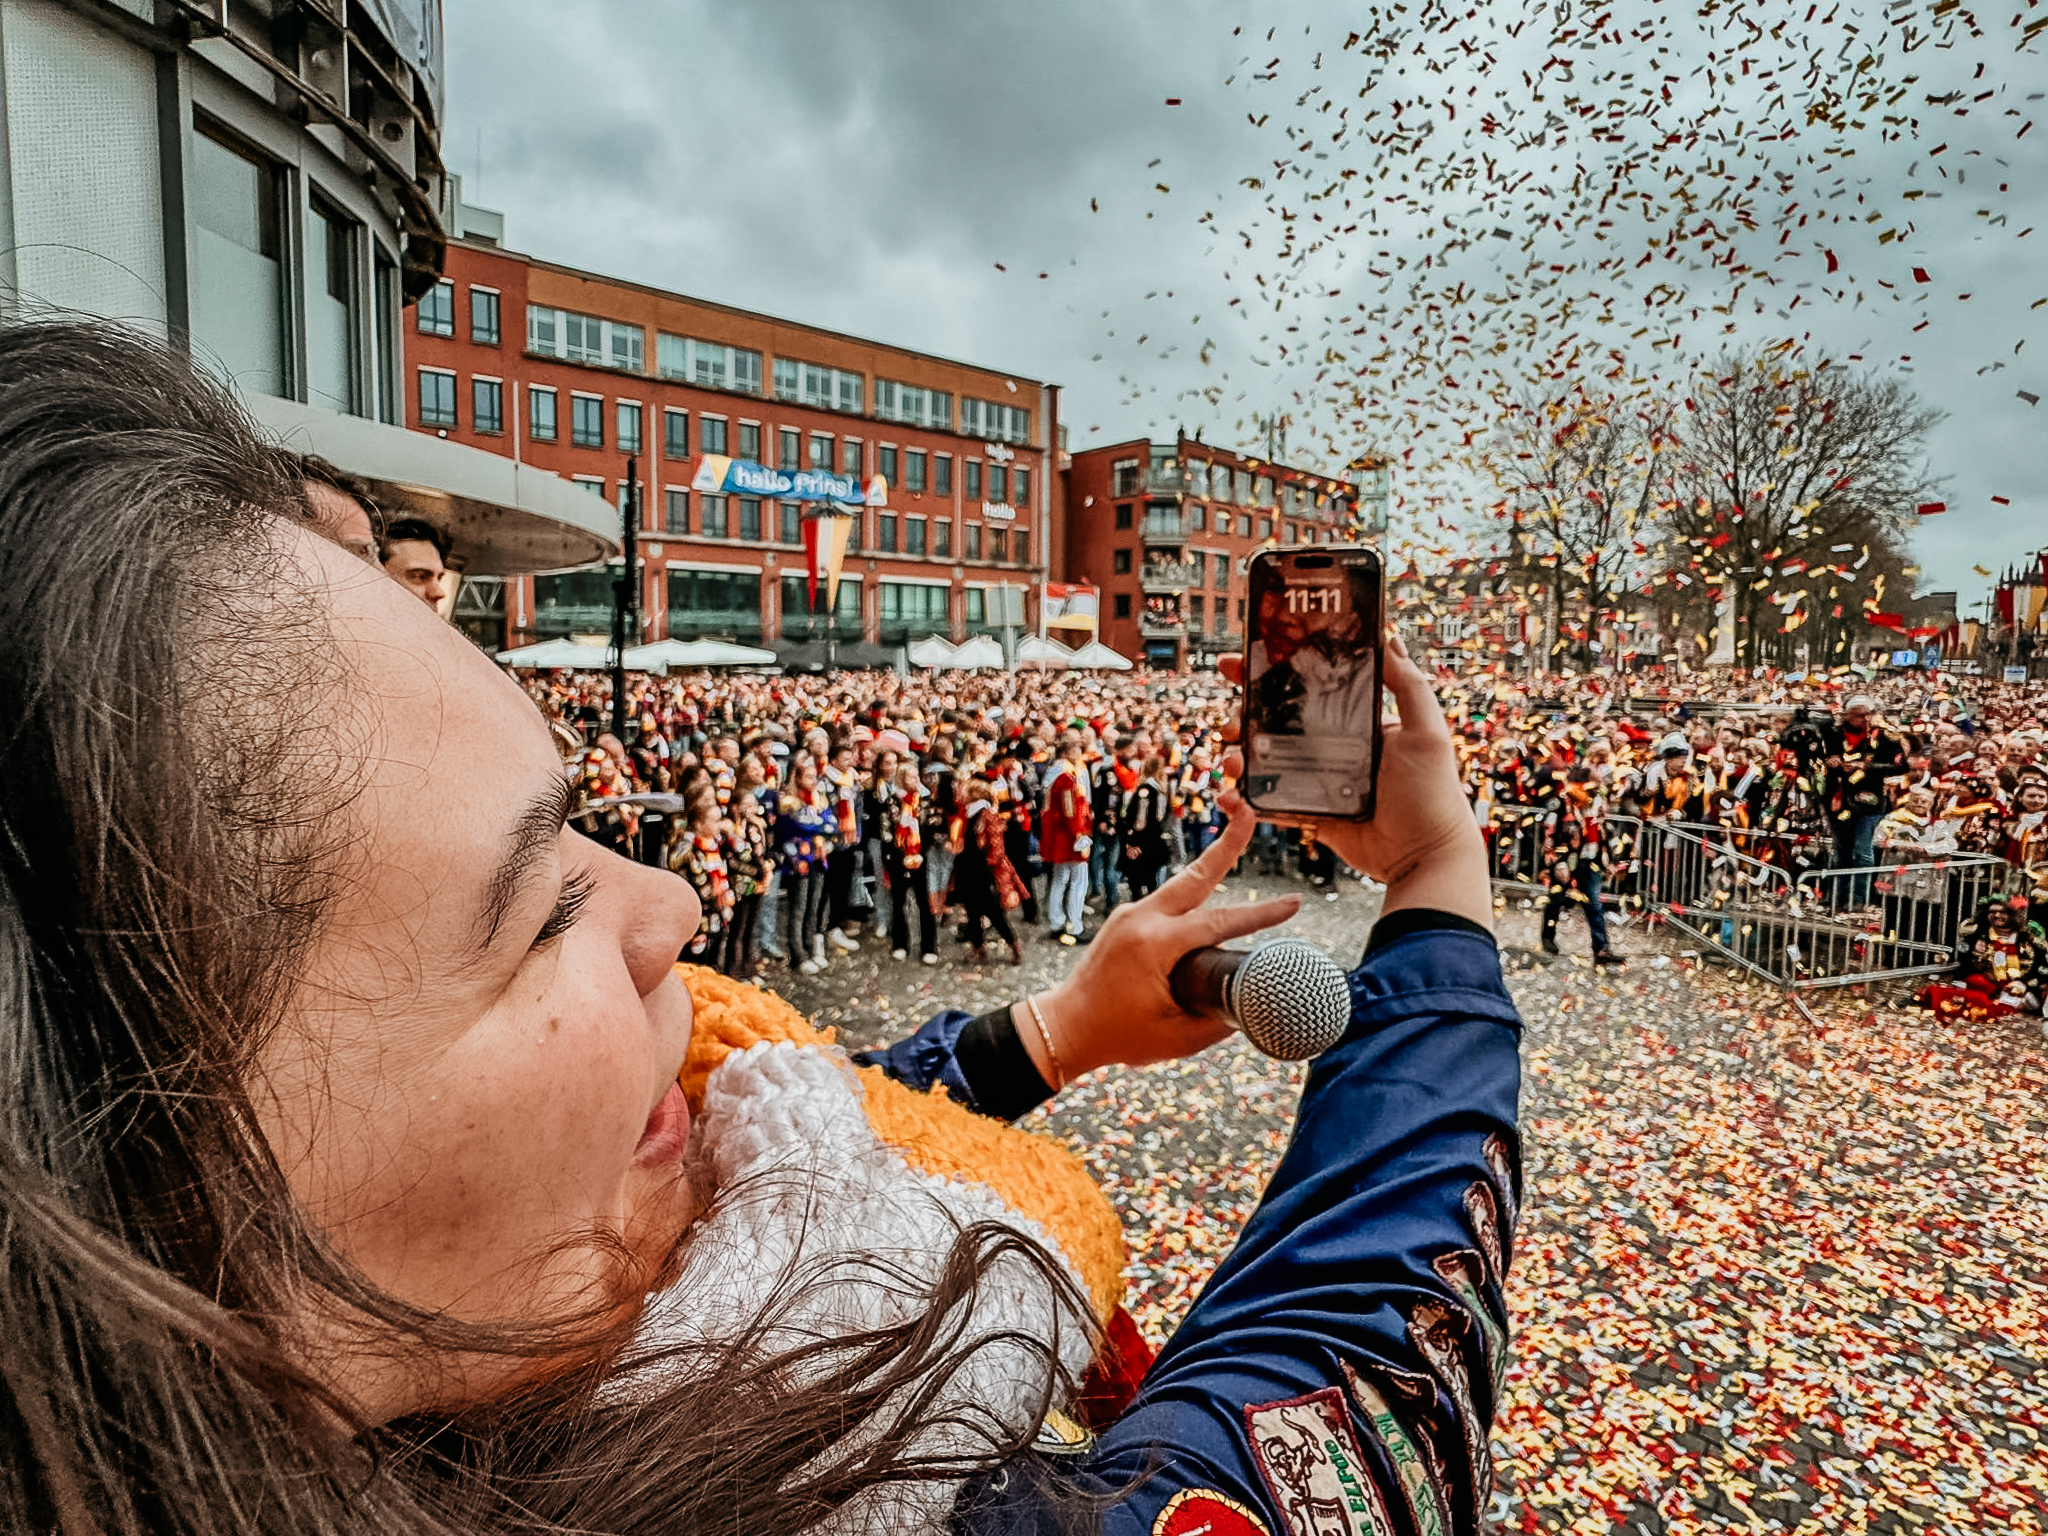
1767 902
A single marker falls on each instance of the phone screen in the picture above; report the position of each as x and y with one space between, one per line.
1312 684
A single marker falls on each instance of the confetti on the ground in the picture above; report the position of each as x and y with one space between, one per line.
1772 1275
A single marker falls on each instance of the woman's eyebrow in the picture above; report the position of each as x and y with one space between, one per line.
536 830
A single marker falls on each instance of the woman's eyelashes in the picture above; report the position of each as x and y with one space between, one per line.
576 890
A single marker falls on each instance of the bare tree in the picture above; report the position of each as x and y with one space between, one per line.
1582 479
1797 485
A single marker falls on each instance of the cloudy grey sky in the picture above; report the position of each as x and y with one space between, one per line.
869 165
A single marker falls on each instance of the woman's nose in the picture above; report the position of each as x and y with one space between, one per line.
658 916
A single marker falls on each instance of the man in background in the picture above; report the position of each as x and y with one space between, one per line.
416 557
342 507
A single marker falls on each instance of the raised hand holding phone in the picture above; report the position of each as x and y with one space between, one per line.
1423 842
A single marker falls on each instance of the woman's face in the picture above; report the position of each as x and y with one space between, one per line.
471 1091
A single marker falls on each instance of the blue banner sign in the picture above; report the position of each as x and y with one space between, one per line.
720 476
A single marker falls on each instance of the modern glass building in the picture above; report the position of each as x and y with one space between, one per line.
261 180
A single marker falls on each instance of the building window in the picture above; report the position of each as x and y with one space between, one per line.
1262 491
885 463
1219 482
1241 484
629 427
1020 546
1120 562
331 326
437 398
913 535
800 622
1222 617
540 413
585 339
998 546
238 283
906 609
1219 568
821 452
1265 528
856 531
750 519
913 406
974 541
675 433
1123 514
885 532
831 389
998 483
437 310
1198 517
974 479
711 434
704 603
675 510
792 518
586 421
995 423
487 406
791 443
849 456
1122 608
1244 525
712 515
1023 478
483 316
1123 478
707 362
914 462
1195 612
750 442
591 483
942 474
942 539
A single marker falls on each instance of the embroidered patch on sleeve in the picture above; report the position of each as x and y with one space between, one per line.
1485 1218
1313 1468
1429 1502
1460 1271
1205 1512
1502 1161
1439 1330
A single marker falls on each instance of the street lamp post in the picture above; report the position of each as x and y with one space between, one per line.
626 595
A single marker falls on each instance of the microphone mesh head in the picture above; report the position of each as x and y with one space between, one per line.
1291 1000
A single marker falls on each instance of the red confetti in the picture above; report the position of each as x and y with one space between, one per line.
1920 275
1929 508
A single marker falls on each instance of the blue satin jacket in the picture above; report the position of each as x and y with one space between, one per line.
1339 1374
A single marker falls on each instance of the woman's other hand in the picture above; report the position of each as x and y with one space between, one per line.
1115 1007
1423 841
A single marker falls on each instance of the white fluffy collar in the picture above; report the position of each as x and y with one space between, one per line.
797 1182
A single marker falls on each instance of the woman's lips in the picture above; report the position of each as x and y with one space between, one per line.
668 1128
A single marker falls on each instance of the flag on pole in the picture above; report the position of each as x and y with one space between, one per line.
1066 605
825 539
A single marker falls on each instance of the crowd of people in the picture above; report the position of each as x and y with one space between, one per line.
814 815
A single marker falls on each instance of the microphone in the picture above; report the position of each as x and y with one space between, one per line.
1291 1000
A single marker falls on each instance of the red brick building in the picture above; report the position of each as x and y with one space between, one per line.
572 372
1164 529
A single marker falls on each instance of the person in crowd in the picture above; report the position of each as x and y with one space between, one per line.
1863 761
985 883
415 555
749 858
1064 840
900 819
1573 855
1142 829
806 833
842 781
1110 780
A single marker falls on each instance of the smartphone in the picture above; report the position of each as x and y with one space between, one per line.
1311 729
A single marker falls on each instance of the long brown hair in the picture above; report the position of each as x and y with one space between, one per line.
168 786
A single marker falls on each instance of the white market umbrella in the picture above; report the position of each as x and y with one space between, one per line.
981 651
571 654
669 655
931 651
1095 656
1038 652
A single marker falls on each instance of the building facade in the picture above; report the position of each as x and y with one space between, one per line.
1165 531
577 373
261 183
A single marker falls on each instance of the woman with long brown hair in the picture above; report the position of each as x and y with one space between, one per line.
339 1164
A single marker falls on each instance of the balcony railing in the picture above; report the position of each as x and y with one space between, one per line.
1156 626
1167 475
1168 576
1163 528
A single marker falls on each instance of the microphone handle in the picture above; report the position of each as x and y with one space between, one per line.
1200 980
